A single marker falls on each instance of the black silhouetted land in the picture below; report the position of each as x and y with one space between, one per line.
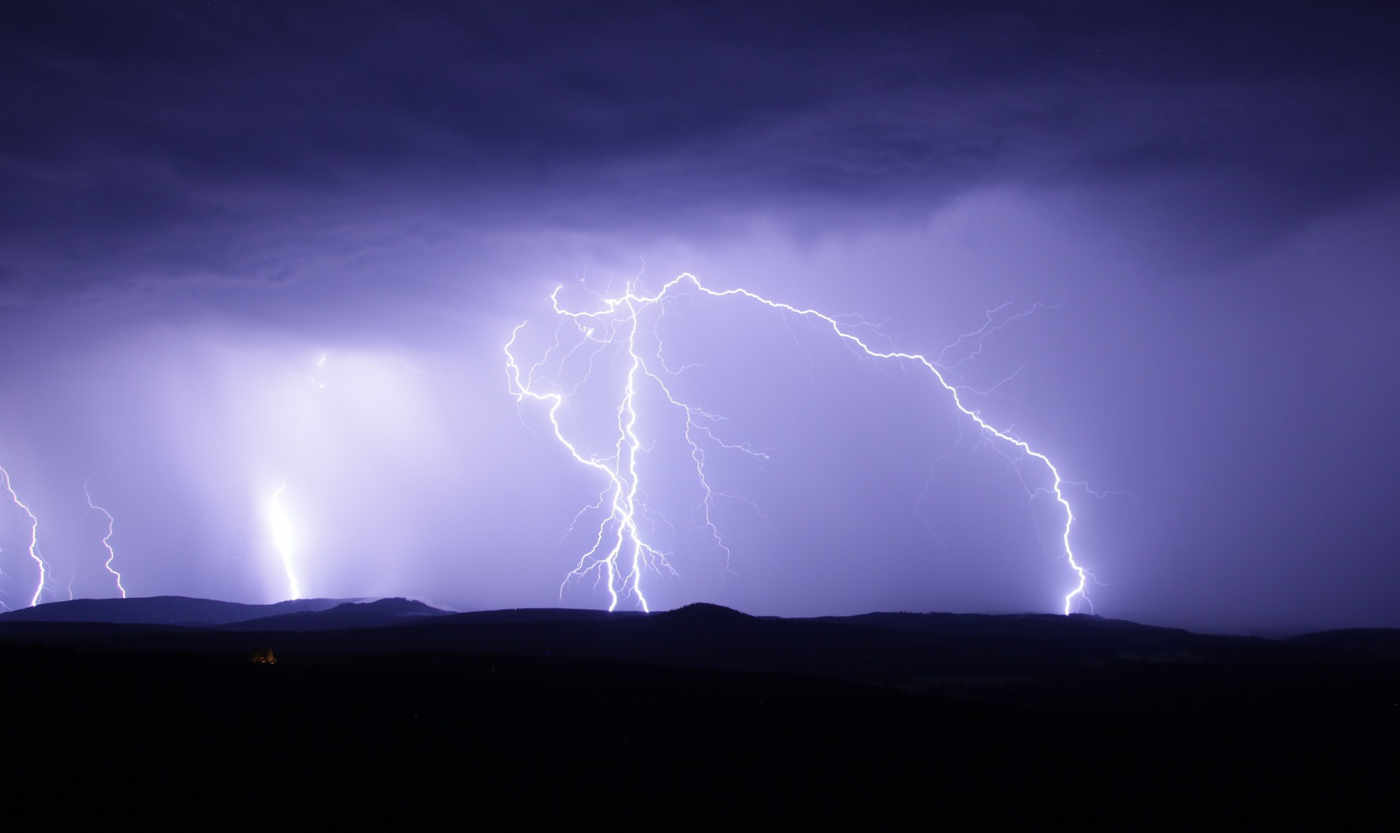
162 610
388 706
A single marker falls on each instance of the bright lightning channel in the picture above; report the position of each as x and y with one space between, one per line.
107 540
619 551
284 538
33 538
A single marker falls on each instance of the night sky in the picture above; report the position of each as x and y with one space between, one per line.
245 246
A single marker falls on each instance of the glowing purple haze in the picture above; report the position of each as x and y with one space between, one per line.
1190 213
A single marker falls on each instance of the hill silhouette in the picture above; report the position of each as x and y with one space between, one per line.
342 616
394 698
162 610
1003 657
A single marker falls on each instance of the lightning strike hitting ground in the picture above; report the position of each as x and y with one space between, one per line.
33 538
619 551
283 539
107 541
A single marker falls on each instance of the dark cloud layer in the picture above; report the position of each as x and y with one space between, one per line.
151 132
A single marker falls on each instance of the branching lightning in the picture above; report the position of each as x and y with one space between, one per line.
33 538
107 540
978 337
619 551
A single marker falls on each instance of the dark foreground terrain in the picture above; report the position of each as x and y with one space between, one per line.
391 714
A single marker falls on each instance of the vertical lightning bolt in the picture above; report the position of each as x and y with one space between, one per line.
107 540
621 471
698 422
279 522
621 467
33 538
283 538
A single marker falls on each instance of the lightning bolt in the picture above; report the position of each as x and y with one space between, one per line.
283 538
106 540
978 336
623 553
621 472
698 421
33 538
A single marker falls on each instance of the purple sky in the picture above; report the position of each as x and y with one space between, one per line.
200 204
